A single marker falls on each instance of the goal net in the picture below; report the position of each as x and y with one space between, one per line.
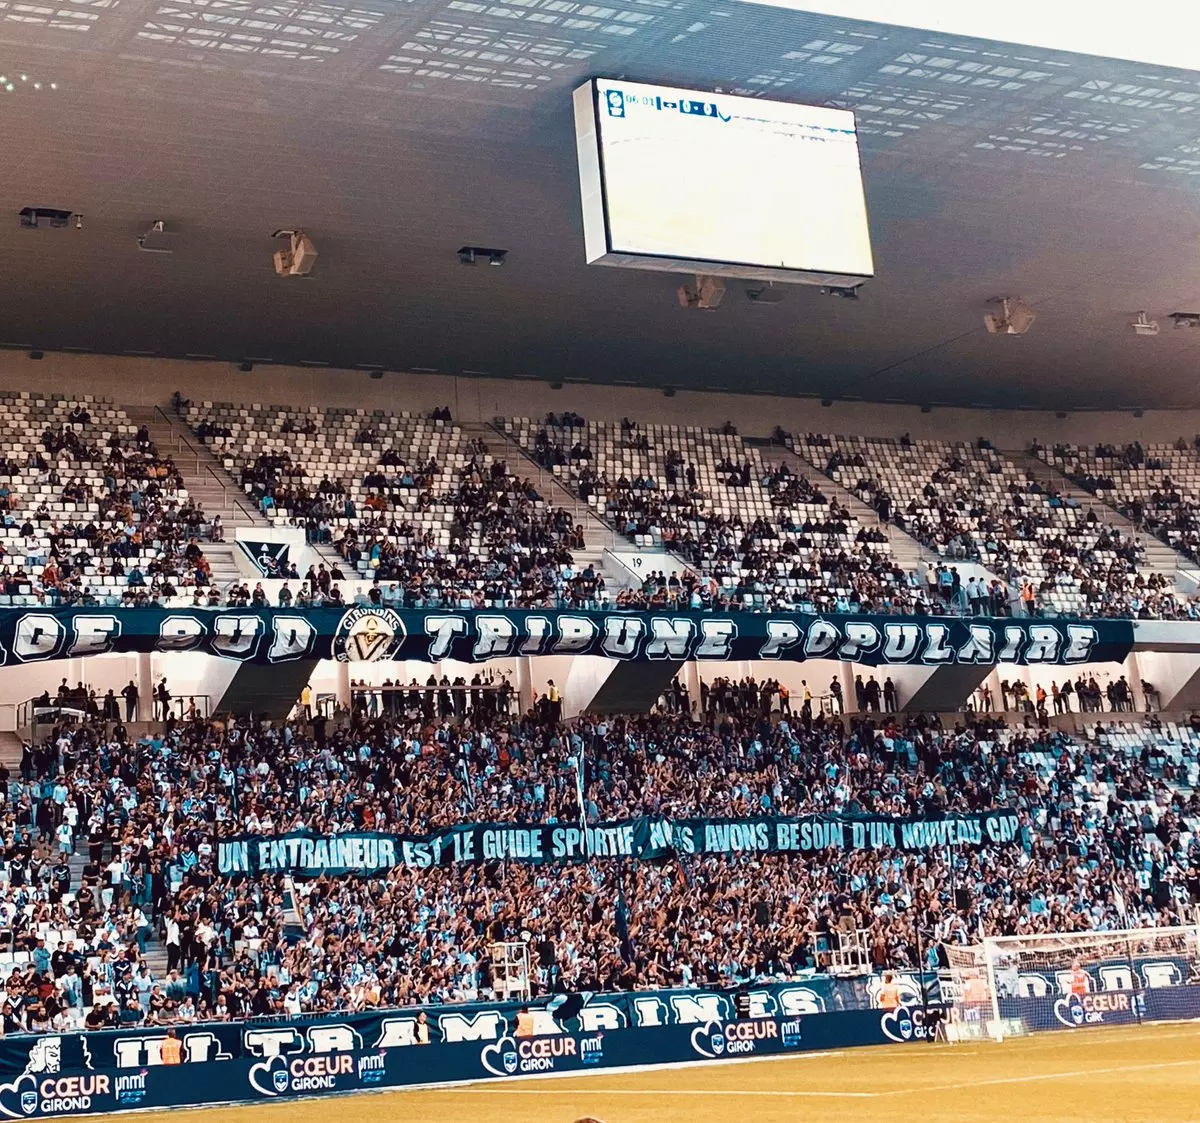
1010 984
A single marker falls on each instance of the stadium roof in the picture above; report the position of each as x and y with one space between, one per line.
395 132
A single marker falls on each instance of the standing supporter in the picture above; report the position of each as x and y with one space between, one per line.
130 694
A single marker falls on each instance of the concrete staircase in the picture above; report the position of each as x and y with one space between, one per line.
908 552
1160 557
597 534
207 482
156 958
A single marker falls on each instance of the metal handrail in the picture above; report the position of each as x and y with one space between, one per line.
224 489
181 441
226 486
545 480
203 467
182 703
179 704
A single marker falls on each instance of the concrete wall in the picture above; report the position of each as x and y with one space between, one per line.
147 381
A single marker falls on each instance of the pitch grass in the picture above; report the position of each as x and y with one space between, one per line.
1089 1075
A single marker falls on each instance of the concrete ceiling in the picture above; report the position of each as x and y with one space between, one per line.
394 132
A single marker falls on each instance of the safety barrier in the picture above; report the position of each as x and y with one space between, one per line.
92 1081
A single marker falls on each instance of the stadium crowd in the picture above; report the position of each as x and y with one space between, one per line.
1157 487
970 502
94 513
505 547
97 515
1095 819
803 550
754 536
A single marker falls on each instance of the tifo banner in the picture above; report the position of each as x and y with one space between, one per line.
303 854
54 1090
480 1023
372 634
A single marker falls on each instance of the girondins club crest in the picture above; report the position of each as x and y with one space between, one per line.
368 635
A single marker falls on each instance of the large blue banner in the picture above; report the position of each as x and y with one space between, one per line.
1106 1007
72 1074
141 1046
47 1088
376 633
304 854
1144 985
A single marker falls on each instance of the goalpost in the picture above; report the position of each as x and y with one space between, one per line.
1019 984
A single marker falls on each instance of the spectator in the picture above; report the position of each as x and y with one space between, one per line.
406 773
162 700
130 694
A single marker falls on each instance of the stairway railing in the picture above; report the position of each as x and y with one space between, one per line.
204 469
547 484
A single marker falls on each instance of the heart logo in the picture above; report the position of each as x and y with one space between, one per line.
1070 1011
500 1058
19 1099
897 1024
269 1077
708 1040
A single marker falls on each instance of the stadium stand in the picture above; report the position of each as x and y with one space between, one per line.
92 512
768 537
435 730
971 501
1156 485
113 912
762 534
423 510
408 501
